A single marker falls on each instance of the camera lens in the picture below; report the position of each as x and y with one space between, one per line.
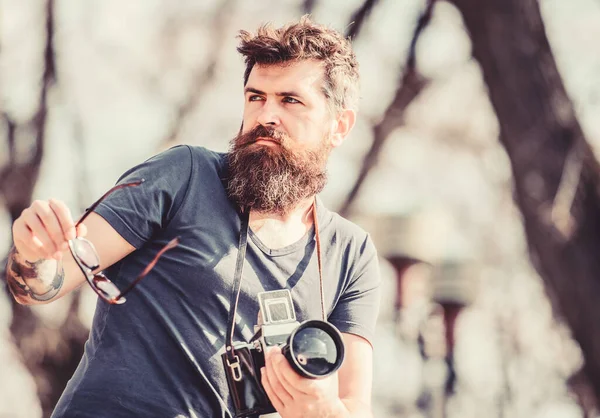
315 349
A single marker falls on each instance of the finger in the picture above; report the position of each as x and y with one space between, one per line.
275 384
36 241
29 253
297 385
277 404
64 218
38 231
28 245
50 221
279 364
82 230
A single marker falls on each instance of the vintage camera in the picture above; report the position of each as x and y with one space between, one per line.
313 348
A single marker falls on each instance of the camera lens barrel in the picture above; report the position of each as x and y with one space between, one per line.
315 349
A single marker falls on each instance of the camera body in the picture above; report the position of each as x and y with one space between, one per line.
277 319
314 349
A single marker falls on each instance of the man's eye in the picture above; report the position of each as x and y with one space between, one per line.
290 100
254 98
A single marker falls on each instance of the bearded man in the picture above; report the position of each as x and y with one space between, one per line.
160 354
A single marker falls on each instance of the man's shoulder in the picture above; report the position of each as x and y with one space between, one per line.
346 225
346 231
196 152
206 159
203 152
194 157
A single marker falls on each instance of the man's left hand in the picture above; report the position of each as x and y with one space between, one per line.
295 396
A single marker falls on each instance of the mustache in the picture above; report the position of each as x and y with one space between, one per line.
261 131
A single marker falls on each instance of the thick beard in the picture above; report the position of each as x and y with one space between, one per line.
274 179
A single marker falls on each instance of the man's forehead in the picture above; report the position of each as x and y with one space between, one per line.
306 76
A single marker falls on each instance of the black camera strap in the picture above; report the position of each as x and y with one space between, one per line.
232 358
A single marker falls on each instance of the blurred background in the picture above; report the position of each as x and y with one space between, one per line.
466 109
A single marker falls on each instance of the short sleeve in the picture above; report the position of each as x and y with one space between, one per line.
358 307
138 212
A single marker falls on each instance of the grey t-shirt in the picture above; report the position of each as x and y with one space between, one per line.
158 354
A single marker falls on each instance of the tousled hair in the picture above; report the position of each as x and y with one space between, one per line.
306 40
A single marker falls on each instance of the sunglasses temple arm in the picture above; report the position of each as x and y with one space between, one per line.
104 196
172 244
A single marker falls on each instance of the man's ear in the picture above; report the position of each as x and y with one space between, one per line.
342 126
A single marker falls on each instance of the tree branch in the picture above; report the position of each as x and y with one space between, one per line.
18 177
203 77
50 356
553 166
308 6
11 130
358 18
410 85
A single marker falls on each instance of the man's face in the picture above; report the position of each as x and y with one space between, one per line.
289 99
280 155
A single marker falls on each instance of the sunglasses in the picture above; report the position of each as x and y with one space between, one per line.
86 257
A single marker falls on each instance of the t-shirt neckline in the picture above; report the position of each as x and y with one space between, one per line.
288 249
298 245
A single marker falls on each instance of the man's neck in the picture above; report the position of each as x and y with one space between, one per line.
281 230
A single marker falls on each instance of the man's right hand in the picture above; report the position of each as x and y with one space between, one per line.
41 236
44 229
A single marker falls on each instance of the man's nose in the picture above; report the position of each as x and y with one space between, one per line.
269 114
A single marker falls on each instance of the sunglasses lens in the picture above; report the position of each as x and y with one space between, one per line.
106 286
86 253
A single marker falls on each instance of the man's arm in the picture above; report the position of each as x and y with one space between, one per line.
355 377
33 282
35 273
